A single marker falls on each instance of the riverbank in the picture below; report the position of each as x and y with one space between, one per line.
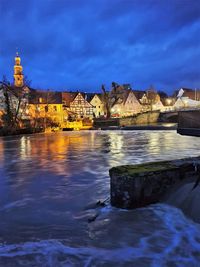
147 127
24 131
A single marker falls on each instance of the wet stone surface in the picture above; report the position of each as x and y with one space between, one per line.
134 186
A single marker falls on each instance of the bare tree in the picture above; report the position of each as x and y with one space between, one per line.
106 101
15 103
110 98
152 97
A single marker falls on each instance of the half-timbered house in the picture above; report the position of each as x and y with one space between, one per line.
81 106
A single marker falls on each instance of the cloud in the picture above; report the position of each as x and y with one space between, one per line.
82 44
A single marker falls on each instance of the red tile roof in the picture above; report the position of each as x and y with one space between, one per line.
68 97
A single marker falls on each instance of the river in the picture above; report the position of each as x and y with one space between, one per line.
49 184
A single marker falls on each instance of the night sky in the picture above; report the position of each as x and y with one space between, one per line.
81 44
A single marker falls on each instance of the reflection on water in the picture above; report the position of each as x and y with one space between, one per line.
112 147
47 183
25 148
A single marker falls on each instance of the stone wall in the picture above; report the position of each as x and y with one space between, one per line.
133 186
141 118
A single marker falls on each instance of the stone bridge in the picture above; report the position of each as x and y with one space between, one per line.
169 116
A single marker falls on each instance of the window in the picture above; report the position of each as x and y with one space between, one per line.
55 108
40 99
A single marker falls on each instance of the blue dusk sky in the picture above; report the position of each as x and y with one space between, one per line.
81 44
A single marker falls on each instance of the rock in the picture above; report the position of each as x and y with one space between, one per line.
97 208
93 218
98 204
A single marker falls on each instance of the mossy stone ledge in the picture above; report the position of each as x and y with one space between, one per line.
134 186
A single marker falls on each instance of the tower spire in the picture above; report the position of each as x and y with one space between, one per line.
17 53
18 74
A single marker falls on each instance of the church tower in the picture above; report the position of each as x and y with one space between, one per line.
18 75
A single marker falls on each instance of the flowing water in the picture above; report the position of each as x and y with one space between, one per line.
49 185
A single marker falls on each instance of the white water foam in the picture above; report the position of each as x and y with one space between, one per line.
175 243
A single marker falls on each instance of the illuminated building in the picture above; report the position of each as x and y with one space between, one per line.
77 104
123 102
96 101
46 105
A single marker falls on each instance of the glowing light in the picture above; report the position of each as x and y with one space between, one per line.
168 101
